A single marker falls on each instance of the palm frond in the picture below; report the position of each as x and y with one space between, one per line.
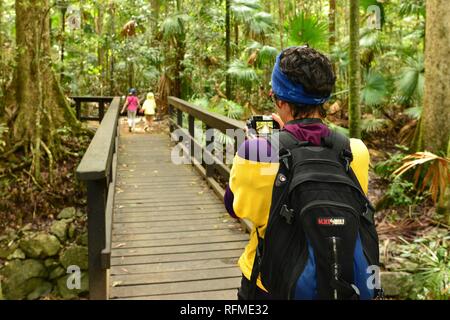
173 26
411 79
373 124
414 112
308 30
260 25
375 89
243 10
436 176
242 73
412 8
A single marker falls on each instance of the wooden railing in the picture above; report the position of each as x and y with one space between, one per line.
211 167
98 170
101 106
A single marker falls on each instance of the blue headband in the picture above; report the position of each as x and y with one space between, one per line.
289 91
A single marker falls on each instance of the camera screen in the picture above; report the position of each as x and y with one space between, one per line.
264 127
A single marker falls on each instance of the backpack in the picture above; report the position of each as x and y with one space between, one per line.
320 241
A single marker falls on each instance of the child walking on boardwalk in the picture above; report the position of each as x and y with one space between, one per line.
131 104
149 108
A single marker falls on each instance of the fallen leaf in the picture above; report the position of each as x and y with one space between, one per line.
116 283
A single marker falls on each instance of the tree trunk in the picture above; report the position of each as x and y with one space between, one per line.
354 112
332 24
155 17
37 101
281 21
100 47
227 47
436 113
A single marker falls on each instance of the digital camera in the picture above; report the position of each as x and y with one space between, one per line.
262 125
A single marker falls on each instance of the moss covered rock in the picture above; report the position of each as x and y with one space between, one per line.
66 293
75 255
67 213
40 246
59 229
24 279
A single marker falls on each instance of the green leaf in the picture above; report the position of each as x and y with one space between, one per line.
375 89
308 30
242 73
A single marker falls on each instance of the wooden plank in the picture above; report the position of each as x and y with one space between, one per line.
157 224
179 249
175 229
230 294
173 266
170 217
176 287
230 256
178 241
157 236
174 276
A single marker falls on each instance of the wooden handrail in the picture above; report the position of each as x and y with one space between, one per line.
101 100
97 170
211 120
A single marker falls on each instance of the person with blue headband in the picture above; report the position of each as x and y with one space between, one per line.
302 82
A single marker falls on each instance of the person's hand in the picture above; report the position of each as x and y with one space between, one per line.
249 134
277 118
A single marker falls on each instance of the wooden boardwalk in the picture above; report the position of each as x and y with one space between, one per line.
172 237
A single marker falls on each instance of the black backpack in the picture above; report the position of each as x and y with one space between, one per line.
320 241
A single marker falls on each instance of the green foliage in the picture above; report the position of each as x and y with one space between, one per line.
372 124
173 26
244 9
309 30
410 82
375 89
401 193
414 112
385 168
428 258
244 75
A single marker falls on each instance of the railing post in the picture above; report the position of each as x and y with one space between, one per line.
96 204
171 115
101 110
191 126
209 167
78 109
180 118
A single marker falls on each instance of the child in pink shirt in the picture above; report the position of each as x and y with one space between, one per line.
132 105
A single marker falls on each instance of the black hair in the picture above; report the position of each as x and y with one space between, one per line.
313 71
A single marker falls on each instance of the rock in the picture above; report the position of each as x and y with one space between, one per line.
83 239
56 273
42 288
59 229
67 293
67 213
40 246
6 251
396 283
22 278
75 255
80 213
17 254
71 231
51 263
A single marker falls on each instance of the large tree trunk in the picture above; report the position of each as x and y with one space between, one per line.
436 114
37 101
354 112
